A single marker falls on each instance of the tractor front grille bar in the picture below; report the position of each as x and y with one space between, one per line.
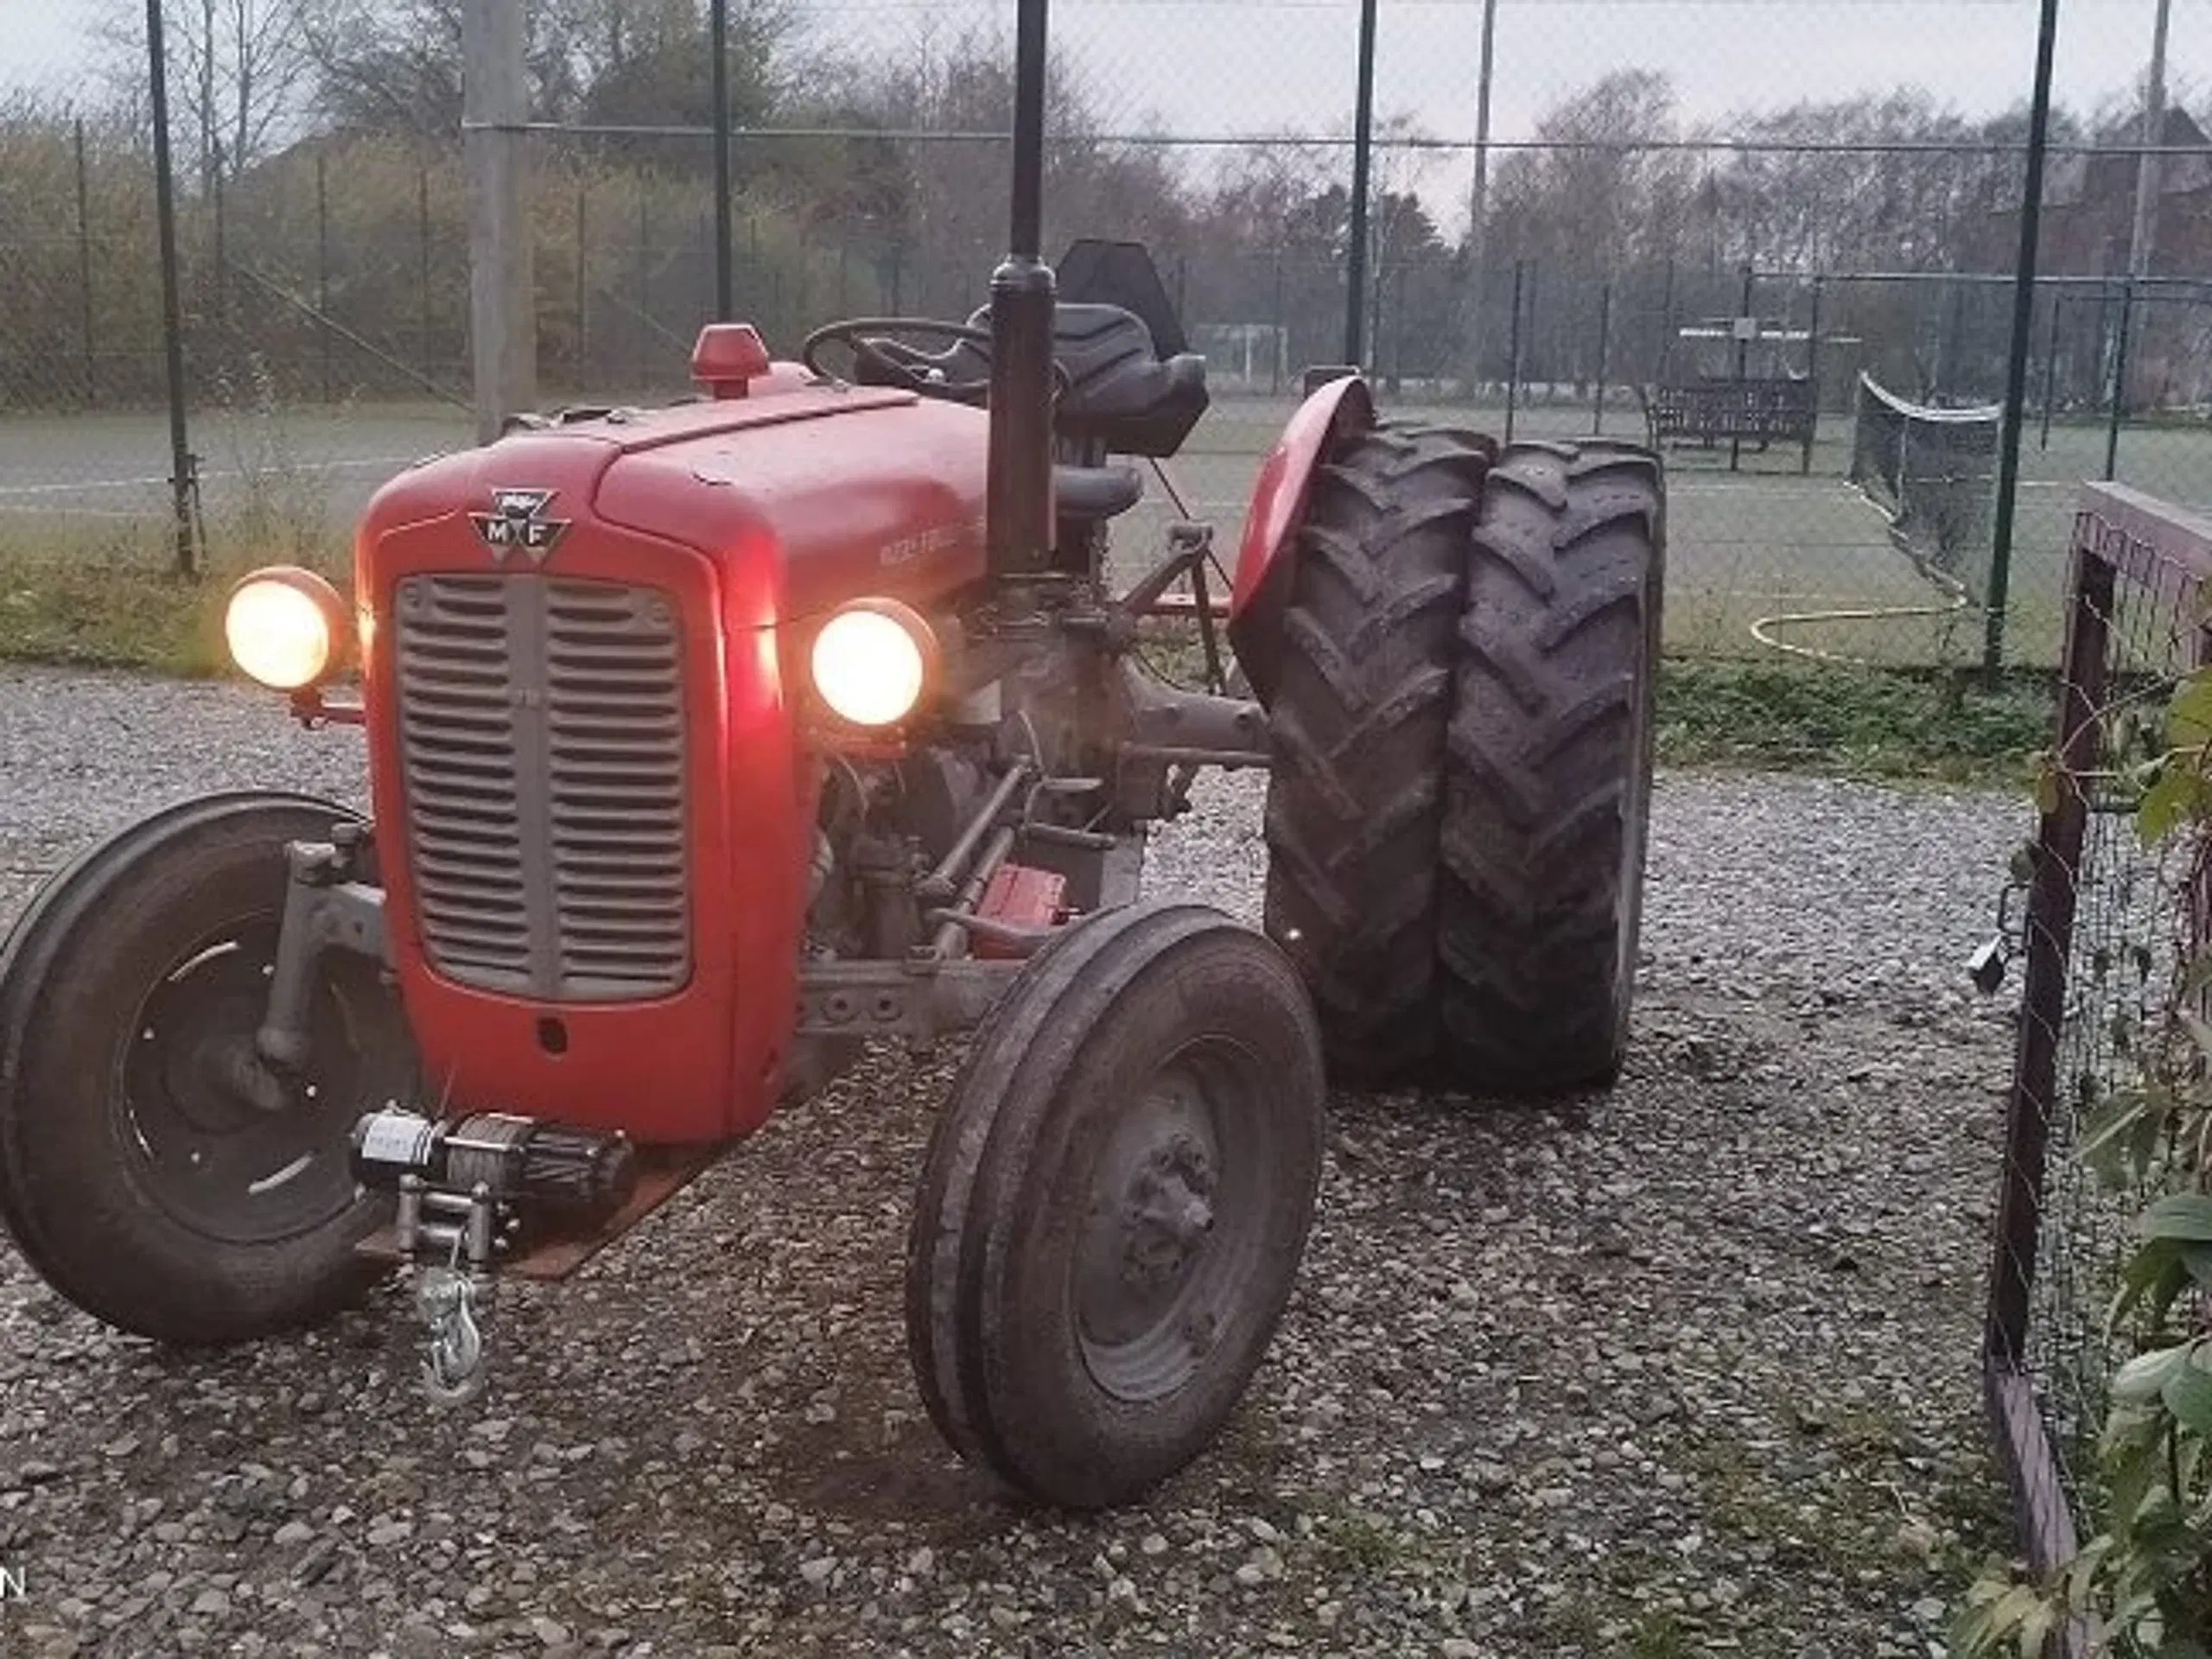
541 754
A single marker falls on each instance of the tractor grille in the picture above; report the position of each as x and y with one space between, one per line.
541 741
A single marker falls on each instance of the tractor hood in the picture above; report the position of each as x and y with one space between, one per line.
803 495
596 818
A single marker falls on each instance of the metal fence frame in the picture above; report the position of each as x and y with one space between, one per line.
2124 543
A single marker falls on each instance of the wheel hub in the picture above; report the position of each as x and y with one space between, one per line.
1169 1214
1162 1243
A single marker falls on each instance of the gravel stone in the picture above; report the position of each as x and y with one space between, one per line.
1685 1367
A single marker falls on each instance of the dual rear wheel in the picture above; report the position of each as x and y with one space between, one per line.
1463 720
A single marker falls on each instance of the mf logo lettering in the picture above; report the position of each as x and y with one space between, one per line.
13 1586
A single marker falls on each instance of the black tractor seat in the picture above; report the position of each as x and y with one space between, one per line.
1120 394
1095 493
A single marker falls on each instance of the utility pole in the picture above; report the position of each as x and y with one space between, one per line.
2146 164
502 284
1478 201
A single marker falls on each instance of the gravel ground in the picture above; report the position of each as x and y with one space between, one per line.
1685 1369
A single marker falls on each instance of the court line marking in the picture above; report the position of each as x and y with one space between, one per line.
206 475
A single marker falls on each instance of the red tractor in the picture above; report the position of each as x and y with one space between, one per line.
708 742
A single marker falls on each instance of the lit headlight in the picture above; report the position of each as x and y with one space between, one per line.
871 661
285 626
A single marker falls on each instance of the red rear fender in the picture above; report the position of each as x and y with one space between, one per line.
1271 522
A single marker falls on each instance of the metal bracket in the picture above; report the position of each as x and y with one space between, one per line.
324 910
923 997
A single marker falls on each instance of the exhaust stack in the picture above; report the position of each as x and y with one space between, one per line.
1017 505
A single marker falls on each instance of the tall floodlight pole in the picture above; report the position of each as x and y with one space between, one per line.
2016 372
1478 200
718 28
2146 165
1363 156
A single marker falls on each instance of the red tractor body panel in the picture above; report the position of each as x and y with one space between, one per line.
1259 591
745 514
1285 479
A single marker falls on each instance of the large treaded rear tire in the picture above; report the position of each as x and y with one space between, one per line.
1548 798
1357 721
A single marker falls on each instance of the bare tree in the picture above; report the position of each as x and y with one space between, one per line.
238 72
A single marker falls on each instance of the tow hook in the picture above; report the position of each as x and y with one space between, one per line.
453 1368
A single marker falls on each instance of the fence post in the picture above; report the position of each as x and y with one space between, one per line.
1667 322
423 268
1813 370
180 465
502 286
1604 345
1743 350
323 265
2120 379
1477 203
1513 354
85 270
1362 148
1281 341
644 306
2016 370
2048 938
2050 368
583 365
1398 330
718 31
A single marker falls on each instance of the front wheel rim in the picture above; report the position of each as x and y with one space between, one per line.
1174 1226
215 1164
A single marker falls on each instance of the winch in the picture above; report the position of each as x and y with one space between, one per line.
577 1175
459 1183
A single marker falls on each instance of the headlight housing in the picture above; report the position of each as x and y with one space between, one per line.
872 662
286 628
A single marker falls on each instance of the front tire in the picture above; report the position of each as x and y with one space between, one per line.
1115 1204
134 1175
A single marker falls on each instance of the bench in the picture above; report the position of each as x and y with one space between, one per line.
1764 412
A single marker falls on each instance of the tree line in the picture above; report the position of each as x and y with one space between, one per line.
324 212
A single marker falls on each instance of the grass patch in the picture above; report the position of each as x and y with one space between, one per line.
107 602
113 603
100 610
1362 1542
98 587
1660 1636
1933 723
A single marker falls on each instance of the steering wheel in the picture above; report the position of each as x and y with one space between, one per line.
868 339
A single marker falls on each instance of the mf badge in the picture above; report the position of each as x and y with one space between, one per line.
518 520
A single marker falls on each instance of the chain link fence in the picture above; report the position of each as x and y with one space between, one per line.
1729 228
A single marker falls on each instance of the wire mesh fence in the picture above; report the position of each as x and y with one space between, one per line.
2109 923
1632 209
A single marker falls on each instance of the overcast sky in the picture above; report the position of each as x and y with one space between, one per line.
1219 66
